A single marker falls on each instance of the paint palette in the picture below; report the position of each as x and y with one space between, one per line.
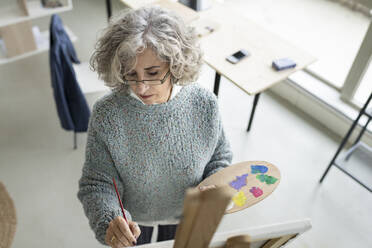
249 182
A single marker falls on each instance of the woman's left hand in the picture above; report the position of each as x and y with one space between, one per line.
204 188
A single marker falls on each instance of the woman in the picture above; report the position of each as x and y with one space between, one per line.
156 133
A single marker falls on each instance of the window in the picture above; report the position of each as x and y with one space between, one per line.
358 84
365 88
329 30
354 77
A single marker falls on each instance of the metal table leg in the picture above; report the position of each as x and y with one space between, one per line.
109 9
217 80
75 143
216 88
255 101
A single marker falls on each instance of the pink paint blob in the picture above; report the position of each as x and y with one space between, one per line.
257 192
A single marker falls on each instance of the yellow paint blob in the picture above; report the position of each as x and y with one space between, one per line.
239 199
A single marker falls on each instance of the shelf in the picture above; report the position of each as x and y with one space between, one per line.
44 47
12 15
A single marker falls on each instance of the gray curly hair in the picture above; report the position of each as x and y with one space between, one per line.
132 31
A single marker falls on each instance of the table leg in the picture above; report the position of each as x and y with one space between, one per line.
109 9
217 80
255 101
75 143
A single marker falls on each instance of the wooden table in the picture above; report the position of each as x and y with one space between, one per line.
254 74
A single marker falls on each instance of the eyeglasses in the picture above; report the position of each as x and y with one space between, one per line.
148 82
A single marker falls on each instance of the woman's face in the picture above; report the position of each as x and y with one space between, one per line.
150 67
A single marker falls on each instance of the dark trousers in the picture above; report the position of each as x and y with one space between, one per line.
165 232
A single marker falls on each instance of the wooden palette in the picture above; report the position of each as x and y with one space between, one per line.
250 182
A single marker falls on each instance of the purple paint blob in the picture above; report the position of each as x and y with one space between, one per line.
239 182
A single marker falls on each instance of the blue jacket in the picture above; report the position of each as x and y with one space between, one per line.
72 108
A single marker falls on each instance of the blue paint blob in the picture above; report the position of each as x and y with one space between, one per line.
258 169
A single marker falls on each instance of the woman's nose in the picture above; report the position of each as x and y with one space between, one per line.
141 88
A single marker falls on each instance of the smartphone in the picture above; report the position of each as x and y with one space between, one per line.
284 63
239 55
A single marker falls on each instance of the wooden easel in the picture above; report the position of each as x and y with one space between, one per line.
245 241
269 236
203 211
202 214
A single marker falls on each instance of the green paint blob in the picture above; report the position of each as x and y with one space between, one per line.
271 180
261 177
267 179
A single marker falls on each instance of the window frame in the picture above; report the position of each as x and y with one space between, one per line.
359 66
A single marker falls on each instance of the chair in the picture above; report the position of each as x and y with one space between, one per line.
357 146
72 107
8 218
72 81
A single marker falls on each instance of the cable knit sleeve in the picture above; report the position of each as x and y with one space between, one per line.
96 191
222 155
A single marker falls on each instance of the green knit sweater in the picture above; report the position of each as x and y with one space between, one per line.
154 152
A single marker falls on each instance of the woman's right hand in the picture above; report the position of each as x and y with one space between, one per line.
122 234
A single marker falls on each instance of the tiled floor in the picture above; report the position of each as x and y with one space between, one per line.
40 169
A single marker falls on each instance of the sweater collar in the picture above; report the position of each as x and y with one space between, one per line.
126 99
175 89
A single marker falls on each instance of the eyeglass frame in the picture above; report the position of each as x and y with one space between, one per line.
144 81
